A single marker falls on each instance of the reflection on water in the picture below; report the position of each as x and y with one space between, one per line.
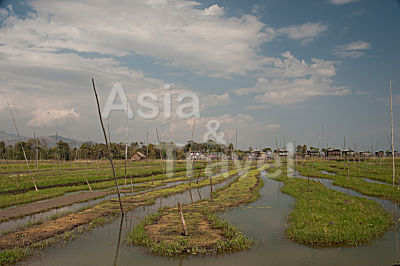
15 223
327 173
390 206
119 239
374 181
265 225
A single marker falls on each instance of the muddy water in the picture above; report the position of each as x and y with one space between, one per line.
100 246
15 223
327 173
363 178
374 181
263 220
388 205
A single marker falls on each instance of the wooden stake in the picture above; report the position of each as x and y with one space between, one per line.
22 146
126 139
190 151
87 182
159 143
108 145
391 125
198 177
119 240
236 141
36 155
57 155
185 233
211 186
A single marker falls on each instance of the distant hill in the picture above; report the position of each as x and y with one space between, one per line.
50 141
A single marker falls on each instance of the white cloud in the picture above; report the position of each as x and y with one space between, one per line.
279 91
3 12
43 116
292 80
358 45
342 2
305 32
215 100
46 72
353 50
274 126
248 128
175 31
214 10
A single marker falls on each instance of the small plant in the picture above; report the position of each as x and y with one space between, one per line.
13 255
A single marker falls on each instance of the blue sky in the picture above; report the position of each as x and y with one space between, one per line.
270 69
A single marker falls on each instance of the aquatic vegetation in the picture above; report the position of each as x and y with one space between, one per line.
207 233
325 217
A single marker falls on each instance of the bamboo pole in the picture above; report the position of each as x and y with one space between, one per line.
190 151
108 145
295 159
161 157
22 146
126 139
391 125
119 240
57 152
185 233
198 177
236 141
211 187
36 152
147 156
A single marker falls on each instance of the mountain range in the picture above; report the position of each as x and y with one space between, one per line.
49 141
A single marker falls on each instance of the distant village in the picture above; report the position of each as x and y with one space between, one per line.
300 152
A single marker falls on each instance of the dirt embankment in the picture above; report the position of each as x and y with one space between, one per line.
168 229
66 223
23 190
41 206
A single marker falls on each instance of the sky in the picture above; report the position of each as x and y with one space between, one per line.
274 71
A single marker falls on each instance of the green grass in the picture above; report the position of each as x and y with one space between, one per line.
14 255
100 170
235 240
17 254
106 211
7 200
220 237
354 181
326 217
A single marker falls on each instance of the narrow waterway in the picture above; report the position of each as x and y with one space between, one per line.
388 205
14 224
264 221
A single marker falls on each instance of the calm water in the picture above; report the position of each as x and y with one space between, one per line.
265 225
15 223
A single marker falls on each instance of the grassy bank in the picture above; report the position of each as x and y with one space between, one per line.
7 200
22 244
16 180
161 234
325 217
353 178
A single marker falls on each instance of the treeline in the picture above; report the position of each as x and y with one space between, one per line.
35 149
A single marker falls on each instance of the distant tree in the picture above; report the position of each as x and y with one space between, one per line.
230 148
301 150
2 147
63 150
19 155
